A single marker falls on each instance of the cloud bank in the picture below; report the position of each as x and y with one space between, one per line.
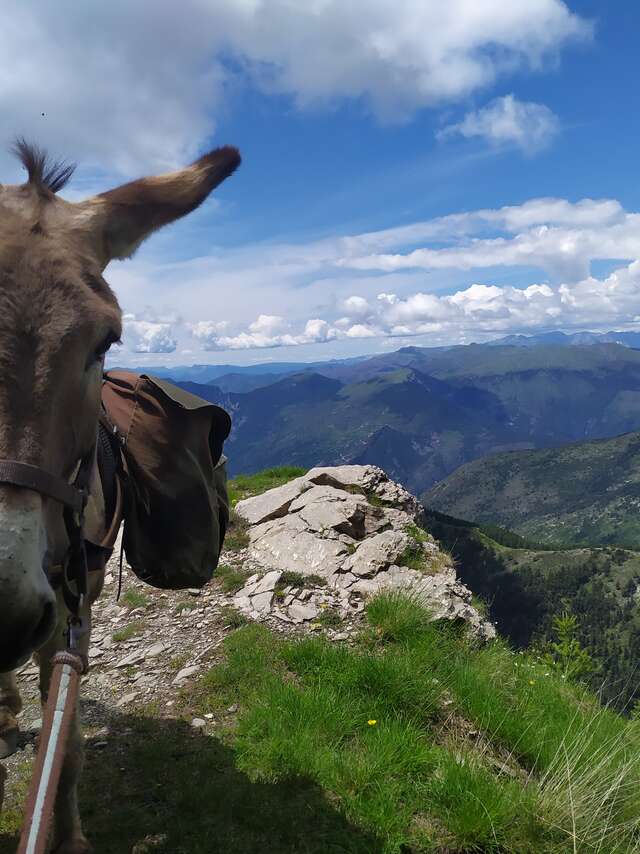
341 288
120 87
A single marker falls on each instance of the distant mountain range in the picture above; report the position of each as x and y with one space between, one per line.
522 433
234 377
561 339
267 371
421 413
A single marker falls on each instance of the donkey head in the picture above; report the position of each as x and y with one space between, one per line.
58 318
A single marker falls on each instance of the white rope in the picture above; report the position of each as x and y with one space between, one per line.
47 768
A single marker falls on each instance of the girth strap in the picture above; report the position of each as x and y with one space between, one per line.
39 480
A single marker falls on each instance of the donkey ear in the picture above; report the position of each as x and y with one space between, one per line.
124 217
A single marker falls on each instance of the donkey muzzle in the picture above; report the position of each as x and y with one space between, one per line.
27 602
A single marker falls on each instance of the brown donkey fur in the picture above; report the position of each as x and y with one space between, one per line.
58 317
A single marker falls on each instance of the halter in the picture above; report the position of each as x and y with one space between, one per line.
73 497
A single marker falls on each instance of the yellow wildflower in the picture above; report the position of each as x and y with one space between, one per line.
372 722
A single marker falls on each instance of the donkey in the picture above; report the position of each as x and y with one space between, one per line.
58 318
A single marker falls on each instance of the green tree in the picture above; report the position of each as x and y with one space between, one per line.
566 654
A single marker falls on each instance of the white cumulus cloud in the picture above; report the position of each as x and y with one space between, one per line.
479 310
266 332
146 336
446 287
529 125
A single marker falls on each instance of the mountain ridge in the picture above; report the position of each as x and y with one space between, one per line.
580 493
422 414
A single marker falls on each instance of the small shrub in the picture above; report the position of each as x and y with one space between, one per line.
231 578
297 579
291 579
414 556
178 662
188 605
567 655
418 534
330 618
232 617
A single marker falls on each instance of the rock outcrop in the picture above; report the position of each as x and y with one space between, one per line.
330 538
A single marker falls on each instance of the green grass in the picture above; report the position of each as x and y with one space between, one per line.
133 598
418 534
414 556
178 662
247 485
129 631
330 618
231 617
374 499
366 725
237 536
367 749
11 811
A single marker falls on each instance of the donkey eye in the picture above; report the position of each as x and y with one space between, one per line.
102 349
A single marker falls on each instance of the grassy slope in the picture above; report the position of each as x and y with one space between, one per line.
423 743
588 492
525 585
511 791
410 740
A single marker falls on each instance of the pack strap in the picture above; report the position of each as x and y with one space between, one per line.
38 480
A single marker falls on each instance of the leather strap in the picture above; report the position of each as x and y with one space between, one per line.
39 480
73 497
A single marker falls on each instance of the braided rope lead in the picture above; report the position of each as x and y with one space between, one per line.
68 666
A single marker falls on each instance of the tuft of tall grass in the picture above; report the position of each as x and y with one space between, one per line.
590 789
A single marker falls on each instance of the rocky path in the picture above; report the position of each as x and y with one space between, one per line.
147 648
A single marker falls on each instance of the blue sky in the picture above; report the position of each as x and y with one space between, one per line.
312 173
432 173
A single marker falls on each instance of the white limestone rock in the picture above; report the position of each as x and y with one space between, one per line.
377 553
271 504
302 611
289 546
349 524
